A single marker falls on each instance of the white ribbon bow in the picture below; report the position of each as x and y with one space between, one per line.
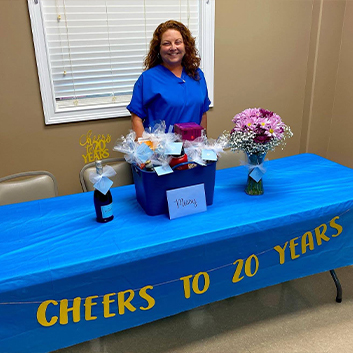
108 171
251 167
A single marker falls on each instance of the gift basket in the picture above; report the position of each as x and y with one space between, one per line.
163 161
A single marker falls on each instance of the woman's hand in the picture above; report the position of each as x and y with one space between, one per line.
137 125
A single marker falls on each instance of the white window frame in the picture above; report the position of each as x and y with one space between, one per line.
52 116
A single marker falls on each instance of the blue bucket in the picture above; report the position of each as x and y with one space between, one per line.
151 189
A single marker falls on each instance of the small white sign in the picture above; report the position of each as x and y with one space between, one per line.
163 169
103 185
186 201
209 155
256 174
143 152
174 148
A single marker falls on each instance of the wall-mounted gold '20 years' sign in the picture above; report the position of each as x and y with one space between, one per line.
96 146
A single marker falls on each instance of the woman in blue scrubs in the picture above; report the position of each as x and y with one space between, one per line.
173 88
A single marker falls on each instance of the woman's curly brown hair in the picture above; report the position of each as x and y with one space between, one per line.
191 60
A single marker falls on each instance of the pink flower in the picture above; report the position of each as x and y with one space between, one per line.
264 123
258 130
275 127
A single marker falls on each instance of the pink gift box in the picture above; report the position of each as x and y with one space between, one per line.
188 131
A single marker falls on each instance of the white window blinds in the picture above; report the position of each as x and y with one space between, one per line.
90 52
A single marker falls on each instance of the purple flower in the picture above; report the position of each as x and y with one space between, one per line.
265 124
261 139
258 130
265 113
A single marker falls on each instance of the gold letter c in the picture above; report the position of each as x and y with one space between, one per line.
41 317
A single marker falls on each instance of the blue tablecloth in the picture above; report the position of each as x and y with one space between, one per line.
54 256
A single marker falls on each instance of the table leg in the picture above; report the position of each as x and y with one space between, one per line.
338 286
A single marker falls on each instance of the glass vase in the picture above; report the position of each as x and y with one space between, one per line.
254 187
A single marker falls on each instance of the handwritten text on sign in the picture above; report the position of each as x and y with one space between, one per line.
186 201
124 300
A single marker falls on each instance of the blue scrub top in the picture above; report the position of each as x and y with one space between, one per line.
160 95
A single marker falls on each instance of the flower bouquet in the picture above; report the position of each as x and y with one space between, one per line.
256 132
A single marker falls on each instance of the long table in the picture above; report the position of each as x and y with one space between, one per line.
65 279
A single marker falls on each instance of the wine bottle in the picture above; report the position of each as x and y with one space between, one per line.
103 203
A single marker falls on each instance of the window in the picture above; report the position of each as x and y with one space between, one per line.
90 52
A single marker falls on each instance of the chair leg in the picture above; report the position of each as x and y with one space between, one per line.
338 286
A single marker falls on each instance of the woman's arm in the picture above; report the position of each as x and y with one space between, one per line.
204 121
137 125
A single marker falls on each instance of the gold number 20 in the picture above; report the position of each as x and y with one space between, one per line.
247 269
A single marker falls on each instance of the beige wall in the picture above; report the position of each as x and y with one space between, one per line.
340 144
261 55
322 75
290 56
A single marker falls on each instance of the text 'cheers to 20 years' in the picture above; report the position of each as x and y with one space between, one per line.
119 303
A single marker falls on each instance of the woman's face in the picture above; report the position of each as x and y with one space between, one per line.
172 48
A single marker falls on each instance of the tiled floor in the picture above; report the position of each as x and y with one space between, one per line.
299 316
